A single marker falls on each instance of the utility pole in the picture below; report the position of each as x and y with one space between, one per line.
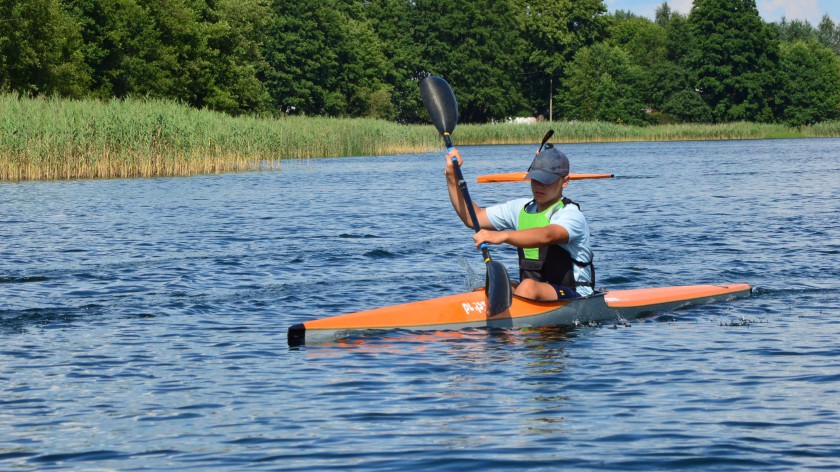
551 100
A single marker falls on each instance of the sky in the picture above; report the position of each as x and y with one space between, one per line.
770 10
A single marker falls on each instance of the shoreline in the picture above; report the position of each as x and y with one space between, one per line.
60 139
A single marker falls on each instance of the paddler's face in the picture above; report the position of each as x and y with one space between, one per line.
546 195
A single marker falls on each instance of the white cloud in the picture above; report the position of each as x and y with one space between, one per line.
792 9
682 6
770 10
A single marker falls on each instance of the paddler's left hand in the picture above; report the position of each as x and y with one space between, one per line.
490 237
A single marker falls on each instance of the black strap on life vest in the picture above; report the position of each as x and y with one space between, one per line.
555 264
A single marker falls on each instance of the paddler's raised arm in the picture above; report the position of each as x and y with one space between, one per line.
457 198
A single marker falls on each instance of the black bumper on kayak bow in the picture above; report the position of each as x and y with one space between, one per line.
297 335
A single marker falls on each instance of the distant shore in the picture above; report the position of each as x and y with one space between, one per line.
55 139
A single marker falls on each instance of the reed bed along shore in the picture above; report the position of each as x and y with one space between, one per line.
49 138
598 132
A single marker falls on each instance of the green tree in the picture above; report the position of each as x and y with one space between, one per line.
326 59
393 22
679 38
602 84
644 40
101 44
663 15
365 68
235 29
674 95
554 31
686 105
204 53
477 47
299 49
645 44
829 33
40 49
826 32
159 51
795 30
810 74
734 60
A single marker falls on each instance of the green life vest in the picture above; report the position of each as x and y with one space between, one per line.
552 264
536 220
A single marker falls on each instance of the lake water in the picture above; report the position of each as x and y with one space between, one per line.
143 322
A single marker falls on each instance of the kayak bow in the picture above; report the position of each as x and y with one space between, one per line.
469 310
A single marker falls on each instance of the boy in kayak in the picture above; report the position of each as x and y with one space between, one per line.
548 230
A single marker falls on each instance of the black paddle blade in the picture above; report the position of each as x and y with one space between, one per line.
440 103
499 295
547 136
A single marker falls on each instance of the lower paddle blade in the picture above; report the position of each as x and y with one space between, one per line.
498 290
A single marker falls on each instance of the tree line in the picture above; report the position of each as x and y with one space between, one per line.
563 59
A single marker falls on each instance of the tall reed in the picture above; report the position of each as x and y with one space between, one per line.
50 138
583 132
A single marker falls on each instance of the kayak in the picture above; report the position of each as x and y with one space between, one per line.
494 308
520 177
469 310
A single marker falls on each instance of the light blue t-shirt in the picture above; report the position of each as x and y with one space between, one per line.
506 217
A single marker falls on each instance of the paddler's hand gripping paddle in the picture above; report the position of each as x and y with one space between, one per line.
443 110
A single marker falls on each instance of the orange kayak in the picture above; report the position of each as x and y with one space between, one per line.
520 177
469 310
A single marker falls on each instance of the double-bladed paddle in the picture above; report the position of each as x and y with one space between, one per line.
442 107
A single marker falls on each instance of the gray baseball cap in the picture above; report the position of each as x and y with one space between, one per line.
548 166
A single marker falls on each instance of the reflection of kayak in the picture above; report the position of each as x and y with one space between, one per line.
468 310
520 177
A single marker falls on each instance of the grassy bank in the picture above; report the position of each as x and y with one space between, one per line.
42 138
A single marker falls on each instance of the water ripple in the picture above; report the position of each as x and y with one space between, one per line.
143 321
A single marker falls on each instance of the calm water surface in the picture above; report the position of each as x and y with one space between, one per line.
143 322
